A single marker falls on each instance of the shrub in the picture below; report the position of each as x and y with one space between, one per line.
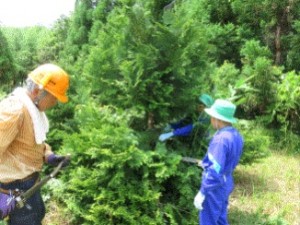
256 141
113 181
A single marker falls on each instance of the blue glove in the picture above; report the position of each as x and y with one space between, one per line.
198 200
54 160
7 204
165 136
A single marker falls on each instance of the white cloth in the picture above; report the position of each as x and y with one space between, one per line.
39 119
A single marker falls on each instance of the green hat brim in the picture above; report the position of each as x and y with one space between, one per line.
206 99
216 115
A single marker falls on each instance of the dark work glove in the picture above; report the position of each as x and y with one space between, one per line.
7 204
54 160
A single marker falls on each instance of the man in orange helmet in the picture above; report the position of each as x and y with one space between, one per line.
23 150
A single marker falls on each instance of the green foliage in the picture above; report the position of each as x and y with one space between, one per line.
62 121
226 43
112 181
25 46
257 218
230 84
51 44
247 14
293 61
253 49
287 104
286 140
257 141
265 77
137 61
224 77
274 27
7 66
78 30
285 114
220 11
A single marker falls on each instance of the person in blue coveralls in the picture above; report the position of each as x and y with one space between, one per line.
222 157
181 128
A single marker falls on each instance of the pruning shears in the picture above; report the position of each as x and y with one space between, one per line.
198 162
22 197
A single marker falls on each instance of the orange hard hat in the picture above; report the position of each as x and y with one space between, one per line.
53 79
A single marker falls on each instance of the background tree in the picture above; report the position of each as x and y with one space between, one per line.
293 61
25 44
50 46
7 66
274 26
79 29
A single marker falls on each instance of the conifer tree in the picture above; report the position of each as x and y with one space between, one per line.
7 66
271 22
150 64
78 33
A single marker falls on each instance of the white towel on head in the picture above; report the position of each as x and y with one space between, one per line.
39 119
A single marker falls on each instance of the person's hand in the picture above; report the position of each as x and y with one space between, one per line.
54 160
198 200
7 205
165 136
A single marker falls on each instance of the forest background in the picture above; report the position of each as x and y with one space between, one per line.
136 65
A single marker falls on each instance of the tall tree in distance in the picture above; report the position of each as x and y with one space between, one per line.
274 26
80 26
50 46
7 66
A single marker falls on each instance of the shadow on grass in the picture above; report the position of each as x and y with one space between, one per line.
237 217
250 183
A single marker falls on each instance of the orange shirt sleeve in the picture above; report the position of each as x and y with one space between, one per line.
48 151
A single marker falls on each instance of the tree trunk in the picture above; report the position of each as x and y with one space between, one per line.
278 45
150 120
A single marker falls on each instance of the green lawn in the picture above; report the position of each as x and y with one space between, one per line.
267 192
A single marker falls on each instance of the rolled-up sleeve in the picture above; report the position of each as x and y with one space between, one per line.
48 151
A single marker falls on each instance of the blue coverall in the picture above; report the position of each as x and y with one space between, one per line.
223 155
181 130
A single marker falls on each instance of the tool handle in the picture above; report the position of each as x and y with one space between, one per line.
21 199
192 160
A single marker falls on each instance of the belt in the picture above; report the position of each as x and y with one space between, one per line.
31 176
7 192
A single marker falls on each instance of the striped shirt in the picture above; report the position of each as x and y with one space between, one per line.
20 155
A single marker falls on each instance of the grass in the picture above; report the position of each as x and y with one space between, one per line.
267 192
56 215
